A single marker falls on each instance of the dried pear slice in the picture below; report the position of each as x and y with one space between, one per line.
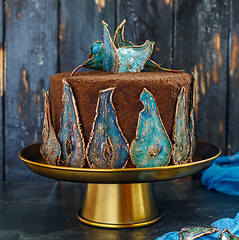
110 57
180 137
149 65
50 148
191 119
45 130
118 39
104 55
107 148
95 48
95 62
227 235
133 58
70 135
151 146
190 233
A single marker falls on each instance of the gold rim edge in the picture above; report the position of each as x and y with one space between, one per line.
45 165
108 225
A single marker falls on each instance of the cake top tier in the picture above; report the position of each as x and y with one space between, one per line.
98 76
128 86
119 55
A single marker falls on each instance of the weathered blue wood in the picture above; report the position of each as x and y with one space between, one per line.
80 26
119 41
201 43
2 143
151 20
201 46
233 86
31 58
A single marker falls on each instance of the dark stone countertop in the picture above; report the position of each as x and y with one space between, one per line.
47 210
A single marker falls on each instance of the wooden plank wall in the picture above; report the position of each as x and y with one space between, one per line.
233 84
31 37
149 20
43 37
2 175
202 29
80 25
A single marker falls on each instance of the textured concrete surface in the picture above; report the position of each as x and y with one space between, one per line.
47 210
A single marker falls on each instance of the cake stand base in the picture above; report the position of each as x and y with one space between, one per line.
119 205
119 198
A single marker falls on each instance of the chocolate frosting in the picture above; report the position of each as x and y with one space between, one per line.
165 87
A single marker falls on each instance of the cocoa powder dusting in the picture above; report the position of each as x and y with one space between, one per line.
164 86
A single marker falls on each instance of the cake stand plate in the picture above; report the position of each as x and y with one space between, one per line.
119 198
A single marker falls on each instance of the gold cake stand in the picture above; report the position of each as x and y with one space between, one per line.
119 198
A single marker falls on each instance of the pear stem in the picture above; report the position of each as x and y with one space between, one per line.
82 65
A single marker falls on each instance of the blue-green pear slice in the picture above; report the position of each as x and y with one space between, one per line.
151 146
110 56
45 131
50 148
227 235
95 48
133 58
119 42
107 147
95 62
191 118
190 233
70 136
181 137
104 54
119 36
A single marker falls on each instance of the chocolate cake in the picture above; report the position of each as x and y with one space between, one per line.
128 113
164 86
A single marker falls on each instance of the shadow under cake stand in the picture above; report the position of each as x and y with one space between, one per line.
119 198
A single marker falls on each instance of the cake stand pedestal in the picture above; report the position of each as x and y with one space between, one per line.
119 198
119 205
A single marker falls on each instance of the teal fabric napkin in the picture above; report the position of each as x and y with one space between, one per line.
223 175
230 224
